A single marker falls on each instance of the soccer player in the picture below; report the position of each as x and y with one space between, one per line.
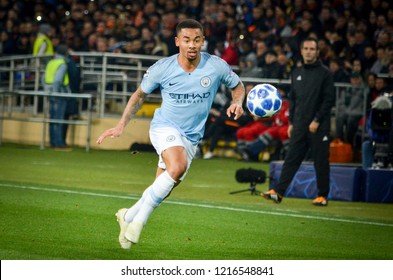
188 82
311 101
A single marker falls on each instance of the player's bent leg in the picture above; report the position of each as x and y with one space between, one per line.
175 158
124 243
153 196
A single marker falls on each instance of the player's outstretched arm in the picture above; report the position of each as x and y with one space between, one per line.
134 104
236 107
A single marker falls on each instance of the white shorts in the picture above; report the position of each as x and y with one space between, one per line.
166 137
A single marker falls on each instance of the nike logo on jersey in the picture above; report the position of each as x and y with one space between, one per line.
299 78
172 84
325 138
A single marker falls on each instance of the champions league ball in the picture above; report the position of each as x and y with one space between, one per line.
264 101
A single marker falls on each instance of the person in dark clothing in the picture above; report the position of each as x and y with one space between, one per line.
311 101
271 69
72 107
340 75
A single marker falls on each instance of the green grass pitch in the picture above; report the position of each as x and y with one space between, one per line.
61 205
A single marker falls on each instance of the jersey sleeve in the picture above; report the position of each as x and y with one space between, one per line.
152 78
229 77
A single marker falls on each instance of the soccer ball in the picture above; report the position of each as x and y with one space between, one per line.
264 101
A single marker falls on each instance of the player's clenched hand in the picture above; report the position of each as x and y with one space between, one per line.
112 132
235 109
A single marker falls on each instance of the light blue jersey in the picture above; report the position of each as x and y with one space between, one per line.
187 97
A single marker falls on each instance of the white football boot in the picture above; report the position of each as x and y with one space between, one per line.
124 243
133 232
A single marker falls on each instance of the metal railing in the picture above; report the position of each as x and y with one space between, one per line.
107 76
44 118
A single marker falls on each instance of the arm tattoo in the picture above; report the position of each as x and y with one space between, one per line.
133 106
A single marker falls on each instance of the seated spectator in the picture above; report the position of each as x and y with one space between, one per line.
160 48
381 65
271 69
354 66
368 58
380 87
218 126
249 133
372 92
230 52
326 52
351 109
336 41
7 45
261 51
222 128
23 45
340 75
277 131
286 65
248 67
357 66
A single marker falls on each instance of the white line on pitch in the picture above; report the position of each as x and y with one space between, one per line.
202 205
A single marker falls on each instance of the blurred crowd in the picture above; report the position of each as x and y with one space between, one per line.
261 37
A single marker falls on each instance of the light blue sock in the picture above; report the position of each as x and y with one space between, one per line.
152 197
